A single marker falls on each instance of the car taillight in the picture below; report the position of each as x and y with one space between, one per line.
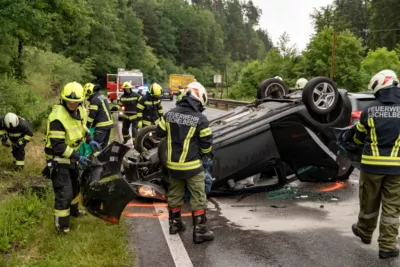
355 117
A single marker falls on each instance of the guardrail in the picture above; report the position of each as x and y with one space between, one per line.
225 103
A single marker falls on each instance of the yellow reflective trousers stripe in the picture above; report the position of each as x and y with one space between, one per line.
374 139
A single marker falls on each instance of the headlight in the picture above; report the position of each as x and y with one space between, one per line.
148 191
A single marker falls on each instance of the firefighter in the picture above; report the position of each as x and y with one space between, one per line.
19 131
66 131
149 108
378 131
187 139
129 101
99 114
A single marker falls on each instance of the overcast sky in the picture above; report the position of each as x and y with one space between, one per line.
292 16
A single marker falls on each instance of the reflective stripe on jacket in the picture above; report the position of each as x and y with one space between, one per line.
379 130
188 135
65 134
99 112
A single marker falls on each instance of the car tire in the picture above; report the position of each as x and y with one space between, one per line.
320 90
270 87
139 143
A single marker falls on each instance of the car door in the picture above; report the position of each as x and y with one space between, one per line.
304 152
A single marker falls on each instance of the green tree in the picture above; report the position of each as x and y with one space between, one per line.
378 60
316 60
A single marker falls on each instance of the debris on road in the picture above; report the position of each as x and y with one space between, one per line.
278 207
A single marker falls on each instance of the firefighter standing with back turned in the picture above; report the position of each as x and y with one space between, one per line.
379 131
129 101
188 135
149 108
99 114
20 133
66 131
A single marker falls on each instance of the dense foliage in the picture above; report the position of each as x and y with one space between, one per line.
44 44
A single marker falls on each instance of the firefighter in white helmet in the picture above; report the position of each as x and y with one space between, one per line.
188 141
19 131
300 83
378 131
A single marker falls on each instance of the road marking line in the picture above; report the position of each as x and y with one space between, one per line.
178 251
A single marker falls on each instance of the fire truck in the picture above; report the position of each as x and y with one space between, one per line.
115 81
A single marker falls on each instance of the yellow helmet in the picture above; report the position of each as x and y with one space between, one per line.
73 92
156 89
88 89
127 85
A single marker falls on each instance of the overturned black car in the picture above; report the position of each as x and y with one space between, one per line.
260 146
257 147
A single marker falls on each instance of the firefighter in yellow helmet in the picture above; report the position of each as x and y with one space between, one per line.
129 101
99 114
149 108
66 131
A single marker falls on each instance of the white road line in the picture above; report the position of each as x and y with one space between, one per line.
178 251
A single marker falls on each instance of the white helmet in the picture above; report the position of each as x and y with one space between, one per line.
278 77
11 120
198 92
383 79
301 83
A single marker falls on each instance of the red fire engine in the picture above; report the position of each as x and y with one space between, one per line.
115 81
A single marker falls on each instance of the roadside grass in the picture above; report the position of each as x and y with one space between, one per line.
27 234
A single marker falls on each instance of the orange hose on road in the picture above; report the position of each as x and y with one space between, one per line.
152 215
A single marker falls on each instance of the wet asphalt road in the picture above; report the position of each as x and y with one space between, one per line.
302 224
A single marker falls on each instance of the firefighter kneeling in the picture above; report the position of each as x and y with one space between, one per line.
20 133
186 139
66 131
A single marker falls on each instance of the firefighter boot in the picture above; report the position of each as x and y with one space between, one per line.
76 212
62 224
386 255
175 221
200 232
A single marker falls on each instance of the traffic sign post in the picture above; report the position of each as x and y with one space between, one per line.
218 80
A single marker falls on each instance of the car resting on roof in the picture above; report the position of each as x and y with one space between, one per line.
263 145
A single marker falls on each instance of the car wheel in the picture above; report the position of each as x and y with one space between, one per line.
272 88
147 139
320 95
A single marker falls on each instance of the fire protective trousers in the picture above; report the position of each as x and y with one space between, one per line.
66 191
196 185
18 152
126 124
374 189
102 136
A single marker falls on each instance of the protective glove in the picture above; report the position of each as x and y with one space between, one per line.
140 124
5 143
84 160
95 146
114 108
